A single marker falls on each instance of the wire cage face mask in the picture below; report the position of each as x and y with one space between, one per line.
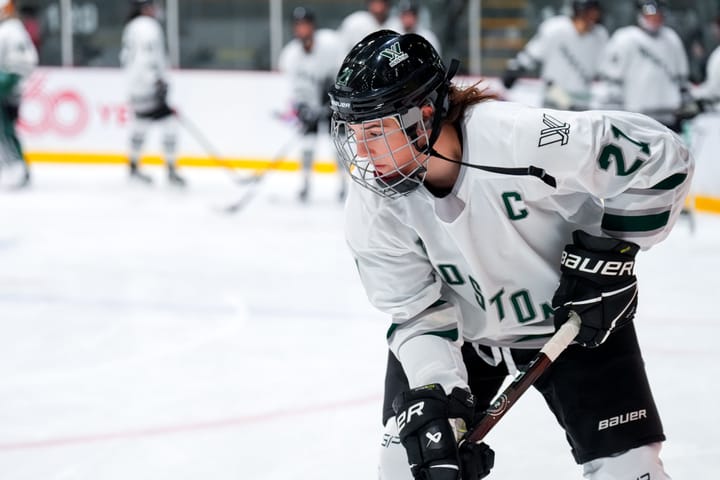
387 155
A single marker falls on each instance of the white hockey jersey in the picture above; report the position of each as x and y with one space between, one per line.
144 57
644 73
482 263
17 52
710 88
395 24
568 59
357 26
311 72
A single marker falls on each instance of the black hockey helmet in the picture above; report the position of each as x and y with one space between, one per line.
137 7
580 6
389 77
303 14
408 6
651 7
388 73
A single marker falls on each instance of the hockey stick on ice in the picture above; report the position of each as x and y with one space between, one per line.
201 139
274 162
552 349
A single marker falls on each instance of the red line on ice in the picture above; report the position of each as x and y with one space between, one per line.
184 428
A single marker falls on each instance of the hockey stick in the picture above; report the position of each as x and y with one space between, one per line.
201 139
274 162
552 349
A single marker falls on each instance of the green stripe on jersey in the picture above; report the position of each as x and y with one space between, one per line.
638 223
395 326
670 182
451 334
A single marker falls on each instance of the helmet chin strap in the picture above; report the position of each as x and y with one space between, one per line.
441 106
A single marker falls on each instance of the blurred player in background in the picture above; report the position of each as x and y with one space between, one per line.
566 51
408 21
144 58
708 92
311 61
358 24
18 58
645 68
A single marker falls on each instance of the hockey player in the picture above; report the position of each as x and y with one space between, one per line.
709 90
566 49
358 24
477 226
144 57
408 21
645 68
311 60
18 58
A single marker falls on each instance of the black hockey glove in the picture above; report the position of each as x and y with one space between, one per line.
308 117
511 73
423 416
597 282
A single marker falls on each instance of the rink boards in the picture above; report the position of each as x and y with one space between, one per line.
239 119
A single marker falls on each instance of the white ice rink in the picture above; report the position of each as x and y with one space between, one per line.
146 336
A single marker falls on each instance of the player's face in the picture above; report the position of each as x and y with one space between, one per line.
593 15
303 30
654 21
408 20
386 145
379 9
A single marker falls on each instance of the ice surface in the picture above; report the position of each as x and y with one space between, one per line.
146 335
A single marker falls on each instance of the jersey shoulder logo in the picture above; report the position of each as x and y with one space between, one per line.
395 54
555 131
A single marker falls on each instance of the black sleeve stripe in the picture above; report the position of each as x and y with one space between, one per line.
437 304
452 334
638 223
670 182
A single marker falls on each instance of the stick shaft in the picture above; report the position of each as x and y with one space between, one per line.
554 347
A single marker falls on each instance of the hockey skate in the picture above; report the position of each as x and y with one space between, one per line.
304 192
25 180
137 175
689 215
174 178
342 193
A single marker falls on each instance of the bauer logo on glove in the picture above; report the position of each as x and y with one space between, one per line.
598 283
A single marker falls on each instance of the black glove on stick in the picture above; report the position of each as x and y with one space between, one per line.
423 416
598 282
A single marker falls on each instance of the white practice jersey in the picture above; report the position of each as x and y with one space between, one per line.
710 88
144 57
17 52
643 72
311 72
568 59
482 263
357 26
395 24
